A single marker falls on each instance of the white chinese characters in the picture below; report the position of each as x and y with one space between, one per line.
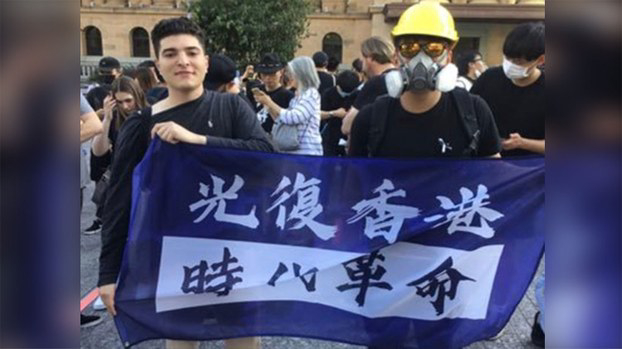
306 208
461 216
219 201
389 217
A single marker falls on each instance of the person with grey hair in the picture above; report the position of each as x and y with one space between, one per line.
304 109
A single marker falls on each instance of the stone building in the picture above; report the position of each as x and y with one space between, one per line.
121 28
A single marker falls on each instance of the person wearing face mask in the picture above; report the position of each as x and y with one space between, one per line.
470 66
515 91
423 114
109 68
336 102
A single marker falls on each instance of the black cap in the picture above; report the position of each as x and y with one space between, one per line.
222 70
270 63
320 59
107 64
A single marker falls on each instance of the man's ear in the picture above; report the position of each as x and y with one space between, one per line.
541 60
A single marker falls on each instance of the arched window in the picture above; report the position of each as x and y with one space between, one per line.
140 42
332 44
93 39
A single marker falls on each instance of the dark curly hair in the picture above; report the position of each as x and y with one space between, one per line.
175 26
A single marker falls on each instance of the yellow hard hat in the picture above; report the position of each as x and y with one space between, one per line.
426 18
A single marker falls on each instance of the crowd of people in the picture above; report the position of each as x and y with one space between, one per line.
403 98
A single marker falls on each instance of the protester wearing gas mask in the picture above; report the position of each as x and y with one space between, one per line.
424 115
515 91
336 102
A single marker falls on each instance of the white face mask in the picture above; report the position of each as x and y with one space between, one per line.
514 71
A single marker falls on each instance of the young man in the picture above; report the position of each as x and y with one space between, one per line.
189 114
222 76
419 118
327 80
470 67
378 57
335 104
271 70
515 91
109 69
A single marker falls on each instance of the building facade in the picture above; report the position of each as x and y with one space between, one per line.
120 28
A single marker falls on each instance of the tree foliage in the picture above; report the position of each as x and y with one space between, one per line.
246 29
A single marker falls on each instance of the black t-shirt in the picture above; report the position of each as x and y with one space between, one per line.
516 109
281 96
439 132
224 118
156 94
326 81
373 89
331 131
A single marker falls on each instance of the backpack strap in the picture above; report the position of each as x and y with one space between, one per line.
464 103
381 108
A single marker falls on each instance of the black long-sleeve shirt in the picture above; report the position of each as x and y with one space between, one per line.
225 119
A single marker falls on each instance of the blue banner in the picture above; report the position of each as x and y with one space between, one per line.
429 253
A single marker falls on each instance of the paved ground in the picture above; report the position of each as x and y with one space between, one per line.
516 335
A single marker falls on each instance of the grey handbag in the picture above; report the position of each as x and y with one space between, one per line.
285 136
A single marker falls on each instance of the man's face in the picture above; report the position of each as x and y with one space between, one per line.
182 62
272 81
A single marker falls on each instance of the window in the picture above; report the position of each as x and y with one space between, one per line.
93 39
140 42
333 46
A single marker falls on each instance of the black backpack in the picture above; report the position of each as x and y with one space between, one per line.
384 105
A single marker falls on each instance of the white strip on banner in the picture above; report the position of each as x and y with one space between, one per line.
462 292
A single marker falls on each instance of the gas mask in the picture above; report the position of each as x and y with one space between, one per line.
421 73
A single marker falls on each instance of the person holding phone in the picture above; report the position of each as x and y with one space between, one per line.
125 97
270 71
303 110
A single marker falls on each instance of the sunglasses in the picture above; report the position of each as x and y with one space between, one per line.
410 48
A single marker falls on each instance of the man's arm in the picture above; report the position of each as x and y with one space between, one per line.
516 141
90 125
348 121
130 147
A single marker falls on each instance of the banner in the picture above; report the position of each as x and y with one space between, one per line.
428 253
